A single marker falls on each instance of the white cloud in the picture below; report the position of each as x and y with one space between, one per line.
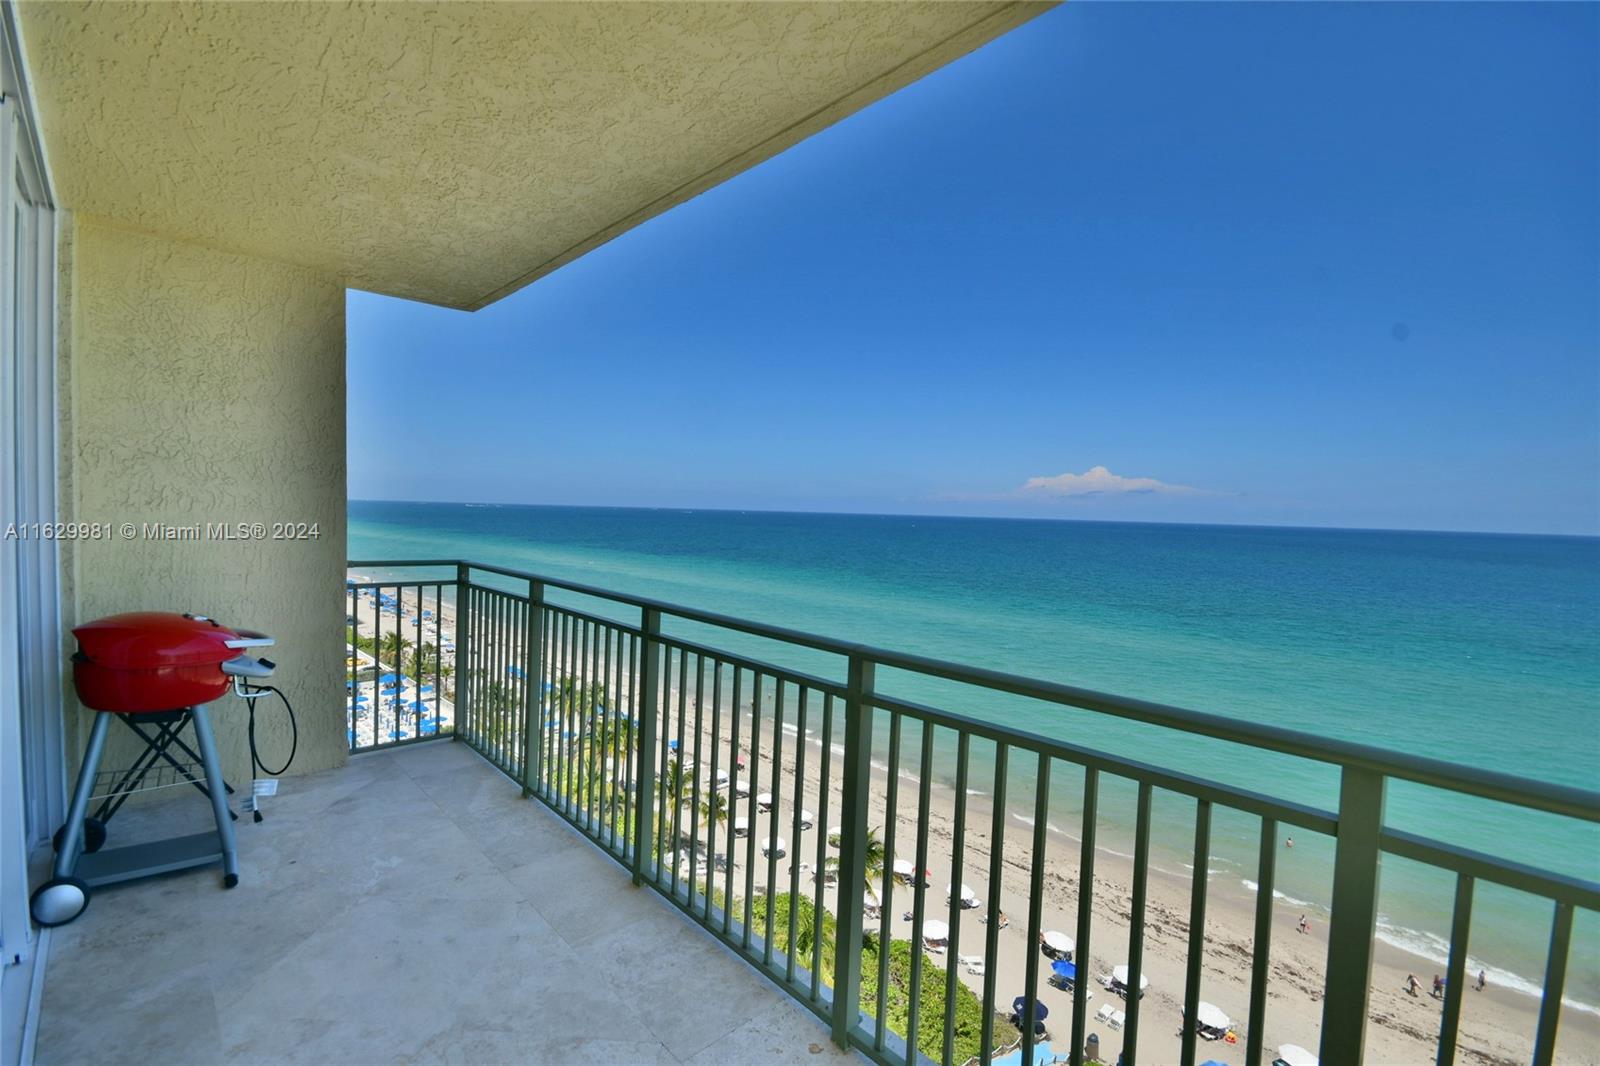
1098 481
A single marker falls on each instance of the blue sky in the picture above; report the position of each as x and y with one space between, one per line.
1283 264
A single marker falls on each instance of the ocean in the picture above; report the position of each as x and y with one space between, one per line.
1480 649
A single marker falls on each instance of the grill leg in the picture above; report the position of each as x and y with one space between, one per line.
219 798
67 857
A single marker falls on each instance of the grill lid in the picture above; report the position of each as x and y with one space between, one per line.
146 640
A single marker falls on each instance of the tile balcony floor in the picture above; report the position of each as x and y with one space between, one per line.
411 907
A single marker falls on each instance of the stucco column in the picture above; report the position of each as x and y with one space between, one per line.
208 388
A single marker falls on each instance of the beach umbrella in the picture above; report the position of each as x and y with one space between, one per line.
904 868
1065 970
1295 1055
741 827
1058 942
1041 1011
388 679
1119 974
969 898
807 819
1210 1016
835 835
764 800
935 930
775 846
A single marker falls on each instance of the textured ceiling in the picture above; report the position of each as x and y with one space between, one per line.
454 152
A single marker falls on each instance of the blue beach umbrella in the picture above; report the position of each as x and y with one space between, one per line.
397 734
1065 970
1041 1012
388 679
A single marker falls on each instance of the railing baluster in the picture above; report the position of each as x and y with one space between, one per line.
499 676
919 891
354 629
797 801
1081 955
1353 918
676 780
1197 927
1455 981
550 710
714 792
630 833
463 634
819 876
991 937
650 627
1555 980
563 727
616 770
694 777
1135 961
857 782
417 705
438 662
737 714
573 741
958 846
886 904
1041 821
586 737
775 793
1261 950
750 802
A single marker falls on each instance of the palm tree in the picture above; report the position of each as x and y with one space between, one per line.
715 808
872 870
392 647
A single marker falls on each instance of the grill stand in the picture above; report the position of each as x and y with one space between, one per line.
63 898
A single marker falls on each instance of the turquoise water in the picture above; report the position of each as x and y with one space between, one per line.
1478 649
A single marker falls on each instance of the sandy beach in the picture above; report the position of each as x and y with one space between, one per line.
1497 1024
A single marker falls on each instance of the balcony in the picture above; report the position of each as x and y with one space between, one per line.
747 771
664 835
412 906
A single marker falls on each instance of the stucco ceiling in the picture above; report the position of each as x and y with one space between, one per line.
454 152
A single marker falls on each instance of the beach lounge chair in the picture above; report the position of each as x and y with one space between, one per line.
1117 1020
1103 1015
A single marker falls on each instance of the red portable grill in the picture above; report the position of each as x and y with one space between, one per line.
155 672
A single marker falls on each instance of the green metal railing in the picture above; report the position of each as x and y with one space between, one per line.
688 763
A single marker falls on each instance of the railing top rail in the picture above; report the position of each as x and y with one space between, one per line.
1472 780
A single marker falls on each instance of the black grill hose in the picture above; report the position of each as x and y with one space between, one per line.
294 735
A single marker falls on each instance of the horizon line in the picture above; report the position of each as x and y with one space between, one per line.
991 518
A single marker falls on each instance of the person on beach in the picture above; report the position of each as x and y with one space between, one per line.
1288 842
1483 979
1304 925
1438 987
1412 984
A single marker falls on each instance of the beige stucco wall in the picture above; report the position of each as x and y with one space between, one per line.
200 387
